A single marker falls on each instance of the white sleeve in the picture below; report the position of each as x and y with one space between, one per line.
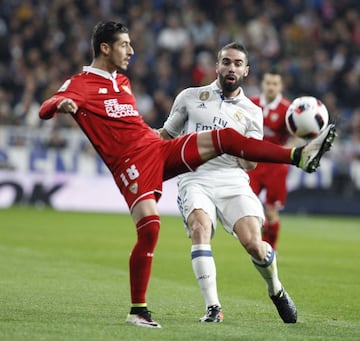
256 125
178 116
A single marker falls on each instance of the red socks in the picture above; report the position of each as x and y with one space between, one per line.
271 233
141 257
229 141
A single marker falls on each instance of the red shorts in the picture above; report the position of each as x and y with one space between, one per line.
143 174
271 177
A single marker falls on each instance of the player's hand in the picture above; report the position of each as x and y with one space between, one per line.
67 106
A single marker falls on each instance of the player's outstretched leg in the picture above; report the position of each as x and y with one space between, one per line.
312 152
307 157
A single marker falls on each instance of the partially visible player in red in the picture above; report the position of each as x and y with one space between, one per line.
101 102
267 176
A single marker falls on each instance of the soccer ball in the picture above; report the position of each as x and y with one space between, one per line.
306 117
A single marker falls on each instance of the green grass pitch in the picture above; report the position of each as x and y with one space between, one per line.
64 276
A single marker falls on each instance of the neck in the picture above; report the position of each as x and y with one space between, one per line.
102 65
269 99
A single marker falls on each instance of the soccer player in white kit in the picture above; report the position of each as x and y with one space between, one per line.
219 189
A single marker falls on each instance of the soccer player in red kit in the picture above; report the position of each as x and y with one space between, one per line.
268 176
101 102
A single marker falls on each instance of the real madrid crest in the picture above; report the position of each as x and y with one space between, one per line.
238 114
133 188
204 95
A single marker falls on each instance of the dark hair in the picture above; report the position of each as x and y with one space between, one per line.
235 46
106 32
274 70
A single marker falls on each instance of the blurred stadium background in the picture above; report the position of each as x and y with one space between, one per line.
315 43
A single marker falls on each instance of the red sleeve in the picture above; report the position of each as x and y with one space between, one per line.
70 89
49 108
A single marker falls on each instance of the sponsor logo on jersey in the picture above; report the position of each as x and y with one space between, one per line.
133 188
103 91
202 105
204 95
114 109
217 123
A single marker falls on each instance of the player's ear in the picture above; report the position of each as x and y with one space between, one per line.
247 71
217 68
105 48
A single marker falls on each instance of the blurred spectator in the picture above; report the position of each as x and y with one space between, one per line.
203 71
202 31
163 76
145 103
56 140
262 35
173 37
352 148
26 111
230 27
315 44
5 107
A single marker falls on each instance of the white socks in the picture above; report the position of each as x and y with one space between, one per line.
204 268
268 270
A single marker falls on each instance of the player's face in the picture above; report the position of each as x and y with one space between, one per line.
231 69
271 86
121 52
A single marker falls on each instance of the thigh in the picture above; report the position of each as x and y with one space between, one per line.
141 176
181 155
248 230
231 209
192 197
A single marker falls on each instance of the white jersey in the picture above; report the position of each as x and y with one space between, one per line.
219 187
204 108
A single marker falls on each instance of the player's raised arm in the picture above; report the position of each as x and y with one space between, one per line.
57 104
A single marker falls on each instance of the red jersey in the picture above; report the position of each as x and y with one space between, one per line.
100 97
107 113
270 176
274 118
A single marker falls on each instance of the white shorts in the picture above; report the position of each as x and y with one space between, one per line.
228 203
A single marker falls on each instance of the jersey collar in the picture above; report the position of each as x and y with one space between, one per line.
99 72
105 74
